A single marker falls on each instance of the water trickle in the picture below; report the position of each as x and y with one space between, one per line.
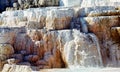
84 25
96 41
84 51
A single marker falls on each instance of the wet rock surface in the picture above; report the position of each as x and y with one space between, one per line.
103 27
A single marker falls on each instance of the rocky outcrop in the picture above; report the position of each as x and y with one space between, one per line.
6 50
59 19
49 18
102 27
47 49
44 48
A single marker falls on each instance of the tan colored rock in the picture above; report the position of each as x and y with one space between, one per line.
24 42
115 31
59 19
7 35
39 48
82 51
41 2
6 50
56 18
29 46
118 8
1 21
3 57
55 48
41 62
108 37
20 42
48 2
2 64
101 25
104 13
34 34
34 25
49 59
57 63
48 41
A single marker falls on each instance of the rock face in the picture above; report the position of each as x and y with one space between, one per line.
102 27
83 51
6 50
59 19
50 18
45 48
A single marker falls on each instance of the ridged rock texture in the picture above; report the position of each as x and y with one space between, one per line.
61 37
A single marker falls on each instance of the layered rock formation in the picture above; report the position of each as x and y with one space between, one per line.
52 49
38 40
